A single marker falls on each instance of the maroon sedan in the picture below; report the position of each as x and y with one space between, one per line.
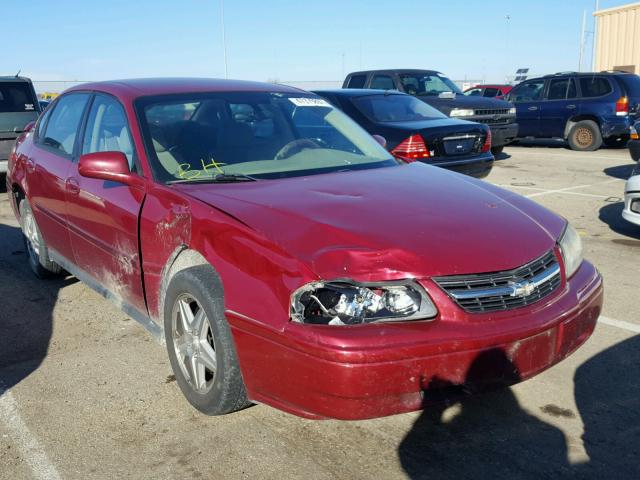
286 258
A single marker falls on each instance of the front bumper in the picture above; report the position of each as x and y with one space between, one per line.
503 134
382 369
478 166
632 195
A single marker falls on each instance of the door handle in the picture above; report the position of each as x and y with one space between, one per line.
72 186
533 109
571 107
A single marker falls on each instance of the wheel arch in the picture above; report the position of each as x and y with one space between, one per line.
578 118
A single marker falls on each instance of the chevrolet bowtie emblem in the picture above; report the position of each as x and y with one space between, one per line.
522 288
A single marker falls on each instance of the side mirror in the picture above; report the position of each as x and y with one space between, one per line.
381 140
112 166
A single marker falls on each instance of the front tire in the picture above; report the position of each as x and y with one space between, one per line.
585 136
200 344
34 245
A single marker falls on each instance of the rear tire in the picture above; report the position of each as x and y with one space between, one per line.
36 248
200 344
497 150
585 136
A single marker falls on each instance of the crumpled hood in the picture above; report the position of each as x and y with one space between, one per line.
386 223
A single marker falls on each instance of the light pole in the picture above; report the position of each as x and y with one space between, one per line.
224 40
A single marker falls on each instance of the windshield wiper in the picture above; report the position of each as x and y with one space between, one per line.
220 178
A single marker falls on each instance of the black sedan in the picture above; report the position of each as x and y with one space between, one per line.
415 131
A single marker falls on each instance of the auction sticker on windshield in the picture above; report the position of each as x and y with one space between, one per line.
309 102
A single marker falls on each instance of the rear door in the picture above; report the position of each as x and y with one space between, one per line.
527 98
103 215
560 104
47 167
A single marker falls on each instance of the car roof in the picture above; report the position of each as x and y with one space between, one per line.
358 92
584 74
395 70
13 78
491 85
142 87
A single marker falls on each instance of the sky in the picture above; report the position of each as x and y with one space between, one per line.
288 40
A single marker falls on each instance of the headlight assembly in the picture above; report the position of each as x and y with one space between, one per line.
461 112
571 247
350 303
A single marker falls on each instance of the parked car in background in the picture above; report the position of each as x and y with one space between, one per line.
631 211
290 259
440 92
415 131
586 109
634 142
43 104
491 91
18 107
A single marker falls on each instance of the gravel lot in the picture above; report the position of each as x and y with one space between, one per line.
85 392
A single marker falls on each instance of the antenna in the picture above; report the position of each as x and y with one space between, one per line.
17 74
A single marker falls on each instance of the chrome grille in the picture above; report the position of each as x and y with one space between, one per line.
492 111
490 292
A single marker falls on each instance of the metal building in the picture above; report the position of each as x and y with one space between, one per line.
617 35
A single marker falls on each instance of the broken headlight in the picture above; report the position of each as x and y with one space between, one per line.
346 303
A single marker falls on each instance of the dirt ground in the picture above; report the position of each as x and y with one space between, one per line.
85 392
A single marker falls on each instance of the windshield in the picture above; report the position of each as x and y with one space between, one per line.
16 97
427 84
395 108
256 134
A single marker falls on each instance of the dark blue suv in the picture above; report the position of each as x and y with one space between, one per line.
586 109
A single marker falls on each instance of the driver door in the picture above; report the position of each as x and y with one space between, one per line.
103 215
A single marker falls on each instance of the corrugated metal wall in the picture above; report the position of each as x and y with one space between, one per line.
618 37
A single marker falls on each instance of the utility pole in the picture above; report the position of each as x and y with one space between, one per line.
582 34
224 40
595 38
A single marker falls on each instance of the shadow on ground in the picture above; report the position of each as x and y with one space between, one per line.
26 313
611 214
492 436
622 172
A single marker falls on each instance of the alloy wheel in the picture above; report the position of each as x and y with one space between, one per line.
584 137
193 343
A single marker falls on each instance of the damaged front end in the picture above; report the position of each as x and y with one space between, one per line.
342 302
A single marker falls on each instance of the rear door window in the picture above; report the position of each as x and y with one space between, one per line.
382 82
16 97
357 81
490 92
62 127
595 86
561 89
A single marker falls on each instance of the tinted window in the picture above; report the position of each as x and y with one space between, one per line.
561 89
491 92
62 127
107 129
431 84
261 134
357 81
594 86
16 97
395 108
383 82
527 92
